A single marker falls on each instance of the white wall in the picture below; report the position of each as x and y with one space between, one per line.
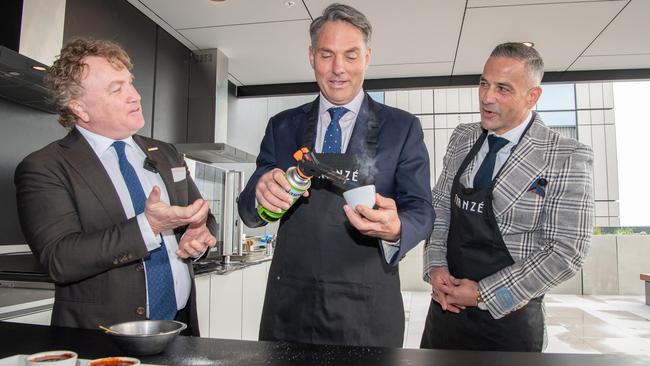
633 127
41 32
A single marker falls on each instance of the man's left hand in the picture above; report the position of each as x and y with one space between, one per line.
195 241
382 222
463 294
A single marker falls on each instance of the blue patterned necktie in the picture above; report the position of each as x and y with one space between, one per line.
160 284
332 143
484 174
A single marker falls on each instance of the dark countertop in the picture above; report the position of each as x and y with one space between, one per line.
25 268
27 339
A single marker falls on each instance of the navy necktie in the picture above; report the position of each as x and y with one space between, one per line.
160 284
486 170
333 137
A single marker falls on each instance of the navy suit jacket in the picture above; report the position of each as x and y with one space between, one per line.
402 164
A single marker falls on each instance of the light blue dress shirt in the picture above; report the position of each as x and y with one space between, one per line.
101 145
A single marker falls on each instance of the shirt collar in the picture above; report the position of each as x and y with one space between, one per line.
100 144
515 134
354 106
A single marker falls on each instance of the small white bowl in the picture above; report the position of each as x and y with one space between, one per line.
52 358
364 195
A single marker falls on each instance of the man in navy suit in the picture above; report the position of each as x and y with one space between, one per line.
334 278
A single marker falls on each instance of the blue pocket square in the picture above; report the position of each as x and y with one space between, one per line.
538 187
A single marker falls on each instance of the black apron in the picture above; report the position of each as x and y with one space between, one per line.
329 284
475 250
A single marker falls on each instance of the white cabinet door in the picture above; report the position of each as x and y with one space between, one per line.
254 281
202 284
226 305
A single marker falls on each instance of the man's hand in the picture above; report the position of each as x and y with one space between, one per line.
463 294
195 241
271 191
442 284
163 217
382 222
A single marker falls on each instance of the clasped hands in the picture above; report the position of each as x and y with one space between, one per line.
162 217
380 222
451 293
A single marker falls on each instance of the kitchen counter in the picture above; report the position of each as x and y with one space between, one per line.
23 267
27 339
20 301
216 266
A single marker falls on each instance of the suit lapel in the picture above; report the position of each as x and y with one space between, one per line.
155 154
523 166
82 159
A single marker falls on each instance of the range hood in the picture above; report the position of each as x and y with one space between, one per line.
216 152
21 83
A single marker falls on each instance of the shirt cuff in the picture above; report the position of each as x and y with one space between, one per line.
391 248
151 241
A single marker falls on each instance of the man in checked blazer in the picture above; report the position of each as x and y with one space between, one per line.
514 215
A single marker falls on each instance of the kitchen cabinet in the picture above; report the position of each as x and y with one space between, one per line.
230 304
202 284
253 290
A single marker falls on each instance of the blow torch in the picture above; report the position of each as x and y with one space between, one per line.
299 178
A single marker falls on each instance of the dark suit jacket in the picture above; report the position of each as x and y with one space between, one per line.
73 221
402 164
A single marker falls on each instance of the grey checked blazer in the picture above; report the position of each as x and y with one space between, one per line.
548 237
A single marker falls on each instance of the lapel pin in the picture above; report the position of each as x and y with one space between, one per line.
152 149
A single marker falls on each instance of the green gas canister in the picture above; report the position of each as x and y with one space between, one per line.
299 183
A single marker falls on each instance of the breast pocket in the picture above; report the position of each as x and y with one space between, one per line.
527 213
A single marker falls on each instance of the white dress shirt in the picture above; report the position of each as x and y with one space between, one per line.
513 136
347 122
102 146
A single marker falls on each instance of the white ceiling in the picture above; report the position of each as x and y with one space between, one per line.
266 41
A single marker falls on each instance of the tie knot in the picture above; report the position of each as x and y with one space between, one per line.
496 143
337 112
119 146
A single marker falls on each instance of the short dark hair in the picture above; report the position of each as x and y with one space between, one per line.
520 51
64 77
344 13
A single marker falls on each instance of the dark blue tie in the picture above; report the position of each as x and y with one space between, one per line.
333 137
486 170
160 284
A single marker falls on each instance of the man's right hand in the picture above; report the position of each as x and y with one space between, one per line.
163 217
271 191
442 283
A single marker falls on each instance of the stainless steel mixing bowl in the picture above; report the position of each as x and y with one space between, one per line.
145 337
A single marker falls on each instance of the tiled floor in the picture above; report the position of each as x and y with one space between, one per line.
575 324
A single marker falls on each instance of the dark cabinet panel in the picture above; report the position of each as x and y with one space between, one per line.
171 88
119 21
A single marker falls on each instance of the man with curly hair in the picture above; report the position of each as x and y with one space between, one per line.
112 216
